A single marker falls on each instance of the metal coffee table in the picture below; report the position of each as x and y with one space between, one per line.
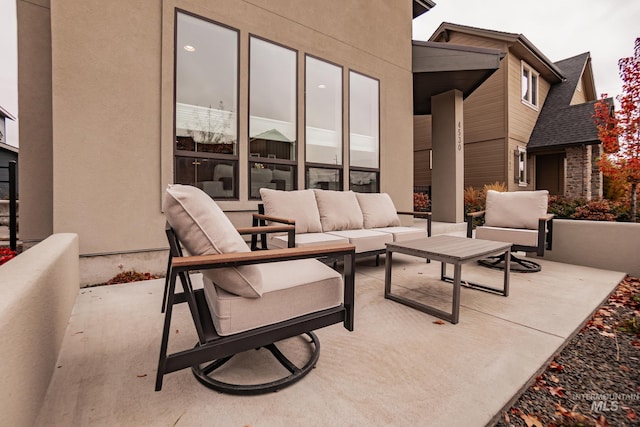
448 250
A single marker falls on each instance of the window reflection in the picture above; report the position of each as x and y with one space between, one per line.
324 178
363 121
206 123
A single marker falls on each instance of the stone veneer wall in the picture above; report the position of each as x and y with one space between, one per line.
578 172
596 175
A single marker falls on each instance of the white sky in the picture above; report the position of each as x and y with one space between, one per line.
558 28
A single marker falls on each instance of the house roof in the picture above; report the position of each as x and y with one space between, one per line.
440 67
518 44
5 113
561 124
422 6
9 148
272 135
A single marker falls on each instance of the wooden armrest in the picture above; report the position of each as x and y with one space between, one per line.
475 214
274 218
266 229
243 258
415 213
547 217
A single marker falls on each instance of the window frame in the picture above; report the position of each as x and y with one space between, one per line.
268 161
522 166
233 159
531 97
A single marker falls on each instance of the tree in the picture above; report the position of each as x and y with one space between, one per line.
619 131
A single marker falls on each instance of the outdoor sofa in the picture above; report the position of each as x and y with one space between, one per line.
366 220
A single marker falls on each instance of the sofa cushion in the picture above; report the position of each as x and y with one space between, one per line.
299 205
365 240
517 209
402 234
523 237
308 286
307 239
204 229
378 210
339 210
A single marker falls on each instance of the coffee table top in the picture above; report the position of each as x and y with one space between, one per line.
452 247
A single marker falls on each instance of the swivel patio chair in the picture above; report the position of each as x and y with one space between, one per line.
249 300
518 217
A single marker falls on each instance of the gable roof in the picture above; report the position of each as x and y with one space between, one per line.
561 124
518 44
422 6
5 113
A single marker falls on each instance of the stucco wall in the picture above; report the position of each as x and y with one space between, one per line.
37 293
112 97
607 245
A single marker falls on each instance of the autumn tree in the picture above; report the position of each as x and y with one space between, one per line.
619 131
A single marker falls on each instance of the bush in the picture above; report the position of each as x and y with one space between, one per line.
594 210
421 202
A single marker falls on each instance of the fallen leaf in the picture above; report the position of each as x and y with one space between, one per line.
556 366
607 334
625 368
554 379
532 421
438 322
556 391
602 422
631 414
141 375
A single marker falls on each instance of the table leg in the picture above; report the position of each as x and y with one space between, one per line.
443 270
455 306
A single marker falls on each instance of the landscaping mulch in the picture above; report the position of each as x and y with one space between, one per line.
595 379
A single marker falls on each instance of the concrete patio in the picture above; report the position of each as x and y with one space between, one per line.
398 367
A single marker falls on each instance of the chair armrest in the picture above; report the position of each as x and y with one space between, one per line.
245 258
545 233
417 214
266 229
264 217
470 217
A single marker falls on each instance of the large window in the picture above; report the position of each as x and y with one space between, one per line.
364 135
206 121
323 124
272 117
529 86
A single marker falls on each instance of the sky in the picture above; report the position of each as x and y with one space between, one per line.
559 29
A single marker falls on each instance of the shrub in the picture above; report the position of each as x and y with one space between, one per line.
130 276
595 210
421 202
6 255
564 207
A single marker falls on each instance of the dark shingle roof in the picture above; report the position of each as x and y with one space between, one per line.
562 124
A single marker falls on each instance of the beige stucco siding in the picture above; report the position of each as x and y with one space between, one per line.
112 97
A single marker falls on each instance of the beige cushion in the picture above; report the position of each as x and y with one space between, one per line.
365 240
403 234
307 239
290 289
339 210
518 209
378 210
523 236
204 229
299 205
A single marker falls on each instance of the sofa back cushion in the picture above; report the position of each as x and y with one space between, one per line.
378 210
204 229
517 209
339 210
299 205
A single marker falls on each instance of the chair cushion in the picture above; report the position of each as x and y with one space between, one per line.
523 237
402 234
365 240
299 205
378 210
290 289
204 229
306 239
517 209
339 210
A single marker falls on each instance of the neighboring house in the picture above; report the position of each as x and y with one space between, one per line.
529 125
8 153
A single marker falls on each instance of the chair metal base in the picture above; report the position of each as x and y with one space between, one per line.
518 265
204 372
